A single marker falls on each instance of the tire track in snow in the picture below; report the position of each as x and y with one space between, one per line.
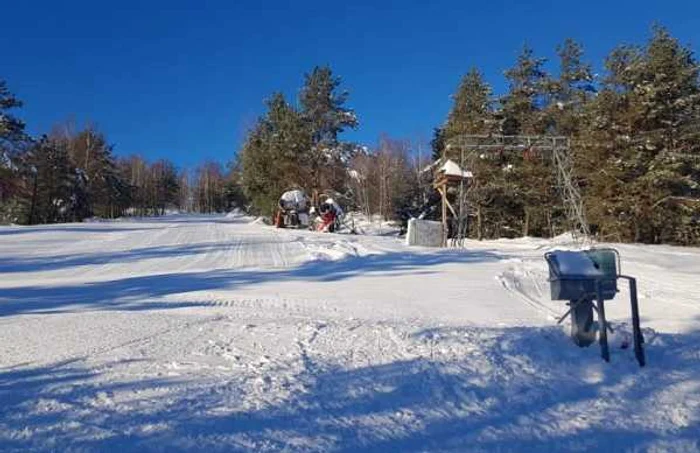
274 307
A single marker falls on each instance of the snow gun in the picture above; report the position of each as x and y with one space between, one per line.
586 279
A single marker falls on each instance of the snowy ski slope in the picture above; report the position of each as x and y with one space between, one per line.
188 333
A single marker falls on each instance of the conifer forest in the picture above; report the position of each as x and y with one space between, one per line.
633 129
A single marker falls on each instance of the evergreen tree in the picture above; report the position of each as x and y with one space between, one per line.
13 141
437 144
522 106
80 197
644 129
91 154
290 144
472 114
323 106
49 197
101 191
166 185
11 128
571 92
276 156
530 177
472 109
568 98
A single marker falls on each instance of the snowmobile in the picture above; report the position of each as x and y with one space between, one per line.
292 210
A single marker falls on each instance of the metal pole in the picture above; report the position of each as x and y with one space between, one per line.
443 192
603 331
32 208
636 329
461 234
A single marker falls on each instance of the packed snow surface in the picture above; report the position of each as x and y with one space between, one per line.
223 334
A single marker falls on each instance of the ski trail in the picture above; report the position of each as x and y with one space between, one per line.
211 333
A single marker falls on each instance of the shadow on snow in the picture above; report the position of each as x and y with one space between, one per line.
63 262
137 293
70 228
532 394
112 226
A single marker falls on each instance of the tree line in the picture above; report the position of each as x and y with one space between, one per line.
298 145
634 132
635 142
71 174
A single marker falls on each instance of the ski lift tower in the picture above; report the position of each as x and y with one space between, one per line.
555 148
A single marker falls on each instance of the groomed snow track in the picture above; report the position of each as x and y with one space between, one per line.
222 334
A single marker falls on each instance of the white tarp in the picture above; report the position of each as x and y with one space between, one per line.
425 233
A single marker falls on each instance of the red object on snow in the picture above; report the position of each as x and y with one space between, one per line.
327 220
279 219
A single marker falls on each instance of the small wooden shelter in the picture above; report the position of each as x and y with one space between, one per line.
448 175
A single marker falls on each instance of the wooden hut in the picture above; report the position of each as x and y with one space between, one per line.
450 177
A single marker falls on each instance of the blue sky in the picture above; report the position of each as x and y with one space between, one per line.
186 79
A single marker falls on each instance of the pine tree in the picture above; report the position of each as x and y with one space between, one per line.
472 109
323 108
571 92
644 126
472 114
530 180
80 197
437 144
276 156
49 199
568 97
165 185
13 141
11 128
101 190
522 106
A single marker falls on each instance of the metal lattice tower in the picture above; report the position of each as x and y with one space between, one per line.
570 192
558 149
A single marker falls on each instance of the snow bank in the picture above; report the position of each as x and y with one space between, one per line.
370 226
236 214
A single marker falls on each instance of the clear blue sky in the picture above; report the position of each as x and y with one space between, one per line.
186 79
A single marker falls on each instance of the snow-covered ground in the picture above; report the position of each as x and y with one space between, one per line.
223 334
